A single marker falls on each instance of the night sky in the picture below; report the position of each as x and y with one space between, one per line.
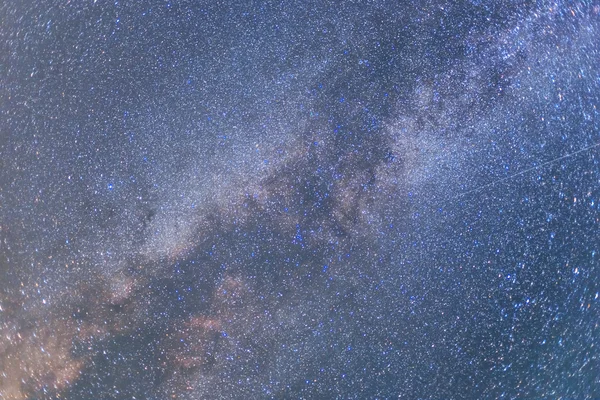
299 199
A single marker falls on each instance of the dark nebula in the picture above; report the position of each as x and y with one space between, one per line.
316 200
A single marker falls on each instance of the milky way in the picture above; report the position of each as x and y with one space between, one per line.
240 200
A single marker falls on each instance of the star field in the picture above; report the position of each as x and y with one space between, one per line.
316 200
